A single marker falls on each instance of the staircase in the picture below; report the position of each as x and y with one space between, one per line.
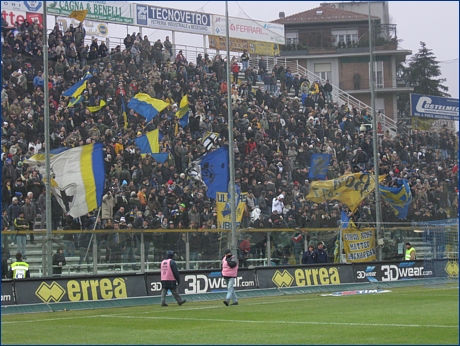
339 95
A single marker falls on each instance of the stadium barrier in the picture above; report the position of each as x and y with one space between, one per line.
131 285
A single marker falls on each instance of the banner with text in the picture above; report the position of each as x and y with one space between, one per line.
175 20
7 292
97 29
237 45
435 107
299 276
23 6
17 11
33 291
359 245
391 271
224 220
248 29
202 281
350 189
105 11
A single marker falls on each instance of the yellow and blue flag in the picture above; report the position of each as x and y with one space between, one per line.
398 198
75 101
318 166
147 106
149 143
183 111
78 88
160 157
78 176
97 108
212 170
123 110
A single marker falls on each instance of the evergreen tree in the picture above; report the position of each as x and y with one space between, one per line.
421 73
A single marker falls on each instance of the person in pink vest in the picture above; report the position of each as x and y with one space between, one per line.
230 272
170 279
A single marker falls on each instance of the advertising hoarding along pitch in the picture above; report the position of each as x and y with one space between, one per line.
248 29
436 107
237 45
106 11
172 19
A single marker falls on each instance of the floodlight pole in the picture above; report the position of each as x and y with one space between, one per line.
231 150
48 216
378 216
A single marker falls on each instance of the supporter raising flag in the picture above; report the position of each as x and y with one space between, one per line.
147 106
77 178
212 171
398 198
150 144
182 113
78 88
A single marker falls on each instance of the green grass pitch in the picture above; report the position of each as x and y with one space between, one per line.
415 315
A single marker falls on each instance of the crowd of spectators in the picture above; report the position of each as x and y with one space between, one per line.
275 135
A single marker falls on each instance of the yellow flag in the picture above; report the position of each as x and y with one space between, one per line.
79 15
350 189
224 220
96 108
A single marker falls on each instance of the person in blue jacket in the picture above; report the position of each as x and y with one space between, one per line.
321 254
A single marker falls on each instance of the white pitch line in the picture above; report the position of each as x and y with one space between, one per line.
285 322
49 319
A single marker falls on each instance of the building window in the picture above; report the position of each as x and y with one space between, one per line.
378 74
323 70
292 37
344 36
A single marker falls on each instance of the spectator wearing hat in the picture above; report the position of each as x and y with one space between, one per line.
278 204
58 261
321 253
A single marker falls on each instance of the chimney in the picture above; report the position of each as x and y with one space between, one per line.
281 15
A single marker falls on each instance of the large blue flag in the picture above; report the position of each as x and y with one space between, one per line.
212 170
398 198
147 106
318 166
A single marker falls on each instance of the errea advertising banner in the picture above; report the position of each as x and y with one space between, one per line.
33 291
247 29
391 271
106 11
172 19
301 276
435 107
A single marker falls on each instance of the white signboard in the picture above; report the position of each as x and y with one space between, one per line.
248 29
97 29
104 11
172 19
23 6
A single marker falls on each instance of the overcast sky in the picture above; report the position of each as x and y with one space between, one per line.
434 22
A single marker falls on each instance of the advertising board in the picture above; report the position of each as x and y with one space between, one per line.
390 271
435 107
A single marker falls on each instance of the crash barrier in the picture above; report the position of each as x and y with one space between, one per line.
117 286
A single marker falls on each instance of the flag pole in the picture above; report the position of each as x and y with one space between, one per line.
231 150
49 230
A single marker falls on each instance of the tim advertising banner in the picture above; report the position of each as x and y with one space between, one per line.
7 292
33 291
435 107
202 281
247 29
359 245
391 271
105 11
300 276
172 19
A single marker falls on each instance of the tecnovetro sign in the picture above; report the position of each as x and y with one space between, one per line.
434 107
248 29
172 19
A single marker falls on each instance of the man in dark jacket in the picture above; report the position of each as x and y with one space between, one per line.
58 261
170 278
309 257
321 254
